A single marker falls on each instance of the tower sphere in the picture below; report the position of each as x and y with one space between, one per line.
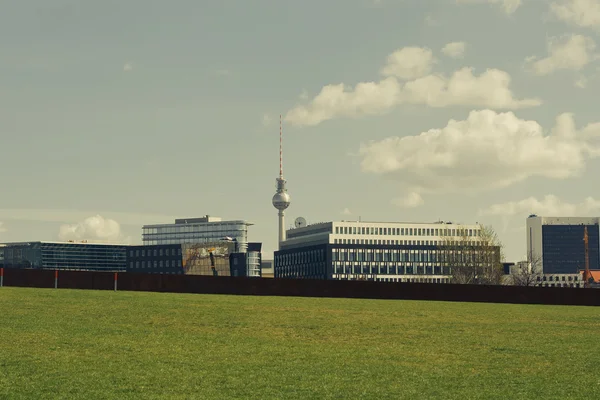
281 201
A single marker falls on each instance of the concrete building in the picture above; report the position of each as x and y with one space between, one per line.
381 251
206 229
75 256
556 244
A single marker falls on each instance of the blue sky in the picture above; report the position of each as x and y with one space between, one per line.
143 111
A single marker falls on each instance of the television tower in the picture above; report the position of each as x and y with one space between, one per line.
281 199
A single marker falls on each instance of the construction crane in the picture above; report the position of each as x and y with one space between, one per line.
587 275
212 261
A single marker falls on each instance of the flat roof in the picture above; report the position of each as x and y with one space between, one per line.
57 242
243 222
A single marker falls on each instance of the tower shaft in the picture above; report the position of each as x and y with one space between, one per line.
281 215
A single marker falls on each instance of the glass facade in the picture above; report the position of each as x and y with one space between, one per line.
303 263
376 262
71 256
563 249
203 232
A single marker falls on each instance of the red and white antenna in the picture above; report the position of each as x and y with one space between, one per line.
280 148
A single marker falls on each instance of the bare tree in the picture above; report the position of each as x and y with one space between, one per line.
473 256
528 273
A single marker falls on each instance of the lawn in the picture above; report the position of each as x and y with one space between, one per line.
102 344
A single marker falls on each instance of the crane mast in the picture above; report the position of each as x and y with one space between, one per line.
586 274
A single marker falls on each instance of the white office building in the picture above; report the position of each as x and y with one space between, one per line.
382 251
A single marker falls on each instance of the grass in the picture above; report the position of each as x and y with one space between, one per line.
95 344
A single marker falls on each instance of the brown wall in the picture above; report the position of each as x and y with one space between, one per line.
301 288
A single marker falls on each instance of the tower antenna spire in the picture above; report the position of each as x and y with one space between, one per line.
281 199
280 148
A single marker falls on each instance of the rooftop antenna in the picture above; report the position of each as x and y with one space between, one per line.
280 148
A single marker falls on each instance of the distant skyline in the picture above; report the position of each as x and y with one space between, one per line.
115 114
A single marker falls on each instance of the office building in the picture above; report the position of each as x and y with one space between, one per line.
556 244
391 252
206 229
78 256
213 258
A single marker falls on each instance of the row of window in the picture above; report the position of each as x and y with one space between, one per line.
401 242
306 271
384 279
390 269
155 252
148 242
234 229
155 264
366 230
569 278
407 255
309 256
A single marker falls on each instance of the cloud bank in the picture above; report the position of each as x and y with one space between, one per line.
93 229
408 80
488 150
550 206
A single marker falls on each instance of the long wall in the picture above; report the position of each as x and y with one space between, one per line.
300 288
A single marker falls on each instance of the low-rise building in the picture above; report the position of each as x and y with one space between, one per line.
215 258
75 256
380 251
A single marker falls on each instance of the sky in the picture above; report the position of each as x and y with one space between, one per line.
119 113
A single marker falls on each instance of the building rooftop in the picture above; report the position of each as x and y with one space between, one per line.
68 242
207 219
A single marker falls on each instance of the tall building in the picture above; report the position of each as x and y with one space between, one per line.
197 230
391 252
64 256
557 243
281 199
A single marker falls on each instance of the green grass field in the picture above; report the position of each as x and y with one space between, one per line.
93 344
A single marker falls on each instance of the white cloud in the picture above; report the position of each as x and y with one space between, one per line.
509 6
490 89
455 49
127 67
303 95
2 228
488 150
550 206
411 200
572 52
93 229
346 211
67 216
584 13
409 63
